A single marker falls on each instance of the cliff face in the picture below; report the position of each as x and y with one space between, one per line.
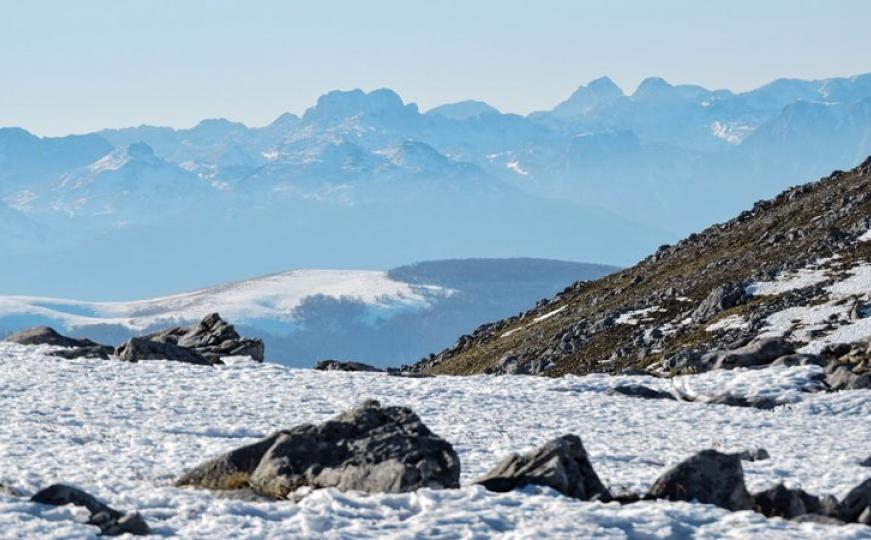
795 266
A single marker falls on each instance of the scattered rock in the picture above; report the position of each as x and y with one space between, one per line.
338 365
561 464
369 448
110 521
641 391
709 477
755 402
138 348
213 338
758 454
857 502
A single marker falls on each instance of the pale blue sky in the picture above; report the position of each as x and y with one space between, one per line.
78 66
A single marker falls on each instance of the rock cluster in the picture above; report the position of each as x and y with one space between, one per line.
203 343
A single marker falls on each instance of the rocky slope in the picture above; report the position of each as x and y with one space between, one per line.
797 267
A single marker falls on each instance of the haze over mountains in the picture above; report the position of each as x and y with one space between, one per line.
365 180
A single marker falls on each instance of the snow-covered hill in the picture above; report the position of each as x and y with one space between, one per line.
383 318
125 432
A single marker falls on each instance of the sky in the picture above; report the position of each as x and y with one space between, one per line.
73 67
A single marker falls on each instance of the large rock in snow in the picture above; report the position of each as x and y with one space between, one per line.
136 349
780 501
110 521
561 464
338 365
213 337
369 448
45 335
709 477
856 506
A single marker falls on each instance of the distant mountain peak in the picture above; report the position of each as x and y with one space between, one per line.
652 87
585 99
340 104
462 110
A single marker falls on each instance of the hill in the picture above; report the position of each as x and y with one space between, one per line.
796 266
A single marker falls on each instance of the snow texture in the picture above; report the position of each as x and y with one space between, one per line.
125 432
274 297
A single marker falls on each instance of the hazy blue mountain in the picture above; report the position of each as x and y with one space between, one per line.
364 179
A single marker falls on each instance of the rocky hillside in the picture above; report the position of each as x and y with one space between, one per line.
796 267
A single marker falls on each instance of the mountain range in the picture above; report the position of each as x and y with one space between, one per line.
366 180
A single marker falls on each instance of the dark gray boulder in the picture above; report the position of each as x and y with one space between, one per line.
726 296
856 502
561 464
817 518
110 521
709 477
338 365
369 448
791 360
137 349
757 454
866 462
102 352
45 335
760 352
641 391
213 338
779 501
734 400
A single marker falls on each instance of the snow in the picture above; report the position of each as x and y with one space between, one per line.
866 237
732 322
638 316
801 279
515 166
828 322
274 296
124 432
536 320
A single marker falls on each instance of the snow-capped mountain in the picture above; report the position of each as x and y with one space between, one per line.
364 179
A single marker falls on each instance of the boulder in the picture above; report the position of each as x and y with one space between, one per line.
760 352
110 521
816 518
45 335
137 348
641 391
561 464
102 352
369 448
779 501
709 477
842 377
337 365
726 296
757 454
866 462
733 400
856 502
213 338
791 360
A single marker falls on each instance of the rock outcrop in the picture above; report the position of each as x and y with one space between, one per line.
369 448
709 477
561 464
110 521
72 347
139 349
213 338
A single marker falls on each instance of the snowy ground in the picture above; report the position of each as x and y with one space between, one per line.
124 432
